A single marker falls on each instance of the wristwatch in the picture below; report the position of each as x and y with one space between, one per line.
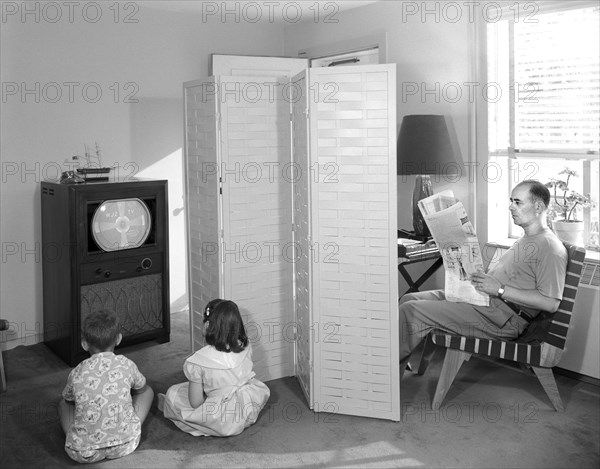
500 291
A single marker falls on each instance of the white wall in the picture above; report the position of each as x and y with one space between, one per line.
155 55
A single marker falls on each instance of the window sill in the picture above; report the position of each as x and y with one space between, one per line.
590 254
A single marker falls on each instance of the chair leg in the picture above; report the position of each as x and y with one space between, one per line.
452 363
4 326
546 378
426 354
404 364
3 377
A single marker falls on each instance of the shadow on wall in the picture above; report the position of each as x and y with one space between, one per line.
157 153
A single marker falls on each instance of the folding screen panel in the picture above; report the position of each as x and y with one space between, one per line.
202 201
239 217
352 212
302 243
257 212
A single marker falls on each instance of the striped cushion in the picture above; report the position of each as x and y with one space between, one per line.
543 340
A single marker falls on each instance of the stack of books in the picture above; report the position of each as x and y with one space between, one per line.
94 174
412 248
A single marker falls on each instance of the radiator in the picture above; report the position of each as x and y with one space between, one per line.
582 349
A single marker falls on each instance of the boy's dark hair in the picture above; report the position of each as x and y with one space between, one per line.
537 190
101 329
225 330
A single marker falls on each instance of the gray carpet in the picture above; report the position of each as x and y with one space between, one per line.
492 417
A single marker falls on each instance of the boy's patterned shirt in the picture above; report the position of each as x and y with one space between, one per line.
101 389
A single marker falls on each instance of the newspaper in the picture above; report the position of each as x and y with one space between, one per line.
455 236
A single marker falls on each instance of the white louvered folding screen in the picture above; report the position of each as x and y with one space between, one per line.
305 227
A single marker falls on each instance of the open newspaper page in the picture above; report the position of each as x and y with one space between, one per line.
455 236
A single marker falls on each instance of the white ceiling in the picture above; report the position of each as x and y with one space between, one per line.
327 7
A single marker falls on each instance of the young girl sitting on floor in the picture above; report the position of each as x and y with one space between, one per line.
222 396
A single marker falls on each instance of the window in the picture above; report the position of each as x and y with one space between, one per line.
545 112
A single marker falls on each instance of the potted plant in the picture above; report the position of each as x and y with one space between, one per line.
564 206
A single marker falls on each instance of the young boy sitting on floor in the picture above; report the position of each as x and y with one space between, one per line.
106 398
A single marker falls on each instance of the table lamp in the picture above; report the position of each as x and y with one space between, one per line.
425 147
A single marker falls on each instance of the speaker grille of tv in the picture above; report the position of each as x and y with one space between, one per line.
136 301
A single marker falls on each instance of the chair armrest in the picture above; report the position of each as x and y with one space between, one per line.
550 355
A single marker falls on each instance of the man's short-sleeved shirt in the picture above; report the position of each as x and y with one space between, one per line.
537 262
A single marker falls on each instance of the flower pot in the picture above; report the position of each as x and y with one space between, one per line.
569 231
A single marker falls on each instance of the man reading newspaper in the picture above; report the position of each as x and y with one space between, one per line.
527 279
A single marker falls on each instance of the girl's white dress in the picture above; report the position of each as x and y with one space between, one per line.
234 398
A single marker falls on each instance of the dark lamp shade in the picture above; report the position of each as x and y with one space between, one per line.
426 147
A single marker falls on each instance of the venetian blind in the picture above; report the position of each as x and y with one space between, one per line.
557 81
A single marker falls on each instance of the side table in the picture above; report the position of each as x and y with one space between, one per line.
413 259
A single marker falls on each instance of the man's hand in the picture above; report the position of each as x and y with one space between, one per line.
485 283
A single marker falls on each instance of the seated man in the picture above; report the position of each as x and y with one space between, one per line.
528 278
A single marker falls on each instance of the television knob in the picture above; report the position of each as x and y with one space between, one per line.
147 263
107 273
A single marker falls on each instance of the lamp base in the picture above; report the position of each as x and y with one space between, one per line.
422 190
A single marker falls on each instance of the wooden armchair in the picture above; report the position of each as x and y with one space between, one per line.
538 348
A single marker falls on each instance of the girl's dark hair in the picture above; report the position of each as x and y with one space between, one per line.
225 330
101 329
